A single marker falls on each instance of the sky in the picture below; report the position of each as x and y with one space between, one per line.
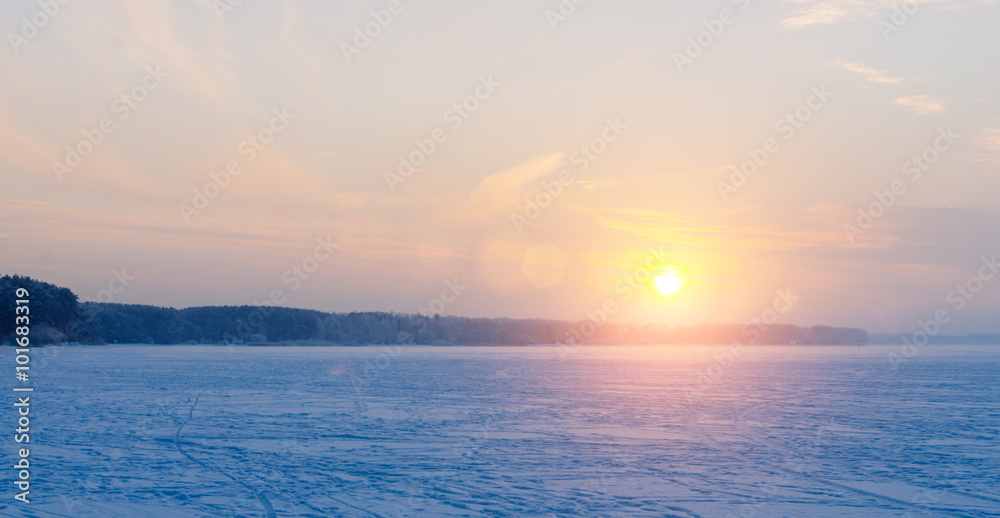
807 161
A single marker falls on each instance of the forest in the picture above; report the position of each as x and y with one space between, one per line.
57 316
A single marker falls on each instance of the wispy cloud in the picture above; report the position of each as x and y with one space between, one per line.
823 12
870 74
207 71
989 138
827 12
707 234
944 201
920 104
500 192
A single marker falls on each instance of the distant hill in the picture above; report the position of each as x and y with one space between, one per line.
57 316
974 339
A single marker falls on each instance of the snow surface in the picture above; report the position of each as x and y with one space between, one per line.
788 431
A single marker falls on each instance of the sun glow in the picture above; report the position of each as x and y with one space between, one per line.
668 282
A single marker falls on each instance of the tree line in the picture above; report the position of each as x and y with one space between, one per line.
57 316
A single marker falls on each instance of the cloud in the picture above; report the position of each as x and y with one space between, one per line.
715 233
823 12
920 104
989 138
501 192
944 201
828 12
870 73
160 33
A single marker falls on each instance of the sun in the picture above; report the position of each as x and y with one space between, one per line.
668 282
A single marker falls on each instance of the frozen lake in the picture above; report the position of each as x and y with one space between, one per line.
506 431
